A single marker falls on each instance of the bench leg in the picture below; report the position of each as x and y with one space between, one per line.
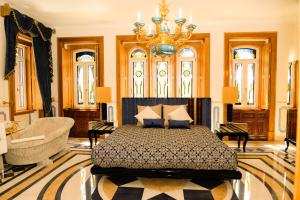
91 139
239 141
96 138
1 169
245 142
287 144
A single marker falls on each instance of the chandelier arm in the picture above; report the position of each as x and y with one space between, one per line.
157 28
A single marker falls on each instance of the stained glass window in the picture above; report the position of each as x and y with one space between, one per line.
238 80
138 53
250 84
138 63
85 56
91 84
138 79
80 85
186 78
162 79
244 75
244 54
186 60
187 53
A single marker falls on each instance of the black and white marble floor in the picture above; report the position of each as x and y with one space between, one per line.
268 173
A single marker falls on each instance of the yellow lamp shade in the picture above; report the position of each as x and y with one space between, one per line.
103 94
230 95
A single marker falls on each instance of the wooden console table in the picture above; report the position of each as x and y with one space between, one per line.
291 127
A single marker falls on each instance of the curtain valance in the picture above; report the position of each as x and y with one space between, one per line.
16 22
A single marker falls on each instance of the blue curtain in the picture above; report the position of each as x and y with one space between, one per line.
17 22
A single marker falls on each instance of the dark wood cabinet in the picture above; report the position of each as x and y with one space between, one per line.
82 118
257 120
291 126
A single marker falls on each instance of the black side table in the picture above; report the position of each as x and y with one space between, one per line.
232 131
99 128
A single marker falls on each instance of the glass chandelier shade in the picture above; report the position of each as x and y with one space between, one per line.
165 40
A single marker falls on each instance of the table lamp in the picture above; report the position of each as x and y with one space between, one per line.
230 97
103 95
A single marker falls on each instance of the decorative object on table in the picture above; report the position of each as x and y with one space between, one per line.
11 127
166 38
110 112
99 128
234 130
230 97
44 138
3 148
103 96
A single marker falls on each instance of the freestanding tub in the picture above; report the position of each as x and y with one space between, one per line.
56 131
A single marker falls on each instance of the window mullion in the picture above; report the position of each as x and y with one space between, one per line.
245 85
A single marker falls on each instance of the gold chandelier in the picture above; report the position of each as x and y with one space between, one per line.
164 41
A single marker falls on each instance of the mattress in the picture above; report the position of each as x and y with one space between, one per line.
135 147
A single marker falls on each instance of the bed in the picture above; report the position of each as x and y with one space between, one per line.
179 153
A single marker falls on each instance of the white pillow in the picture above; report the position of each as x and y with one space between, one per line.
180 114
147 113
170 108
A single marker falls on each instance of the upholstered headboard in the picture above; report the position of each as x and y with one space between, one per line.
129 108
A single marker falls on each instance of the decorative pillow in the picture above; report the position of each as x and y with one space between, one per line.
179 114
156 108
147 113
179 124
167 109
154 123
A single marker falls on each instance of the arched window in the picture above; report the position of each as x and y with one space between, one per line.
245 75
137 63
186 72
84 78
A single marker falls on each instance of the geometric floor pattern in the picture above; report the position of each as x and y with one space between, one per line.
267 173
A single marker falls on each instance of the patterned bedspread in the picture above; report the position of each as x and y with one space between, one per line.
140 148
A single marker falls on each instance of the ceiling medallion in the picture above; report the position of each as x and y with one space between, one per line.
166 38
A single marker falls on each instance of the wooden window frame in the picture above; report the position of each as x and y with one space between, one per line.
78 43
31 85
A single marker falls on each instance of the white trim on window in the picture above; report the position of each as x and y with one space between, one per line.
244 78
20 79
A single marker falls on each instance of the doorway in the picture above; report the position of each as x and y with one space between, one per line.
80 71
250 65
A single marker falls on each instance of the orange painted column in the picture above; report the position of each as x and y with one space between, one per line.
297 175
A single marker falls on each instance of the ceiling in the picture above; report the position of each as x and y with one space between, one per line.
87 12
